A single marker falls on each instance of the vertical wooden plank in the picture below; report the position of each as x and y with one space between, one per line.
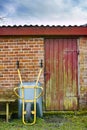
57 76
69 85
47 73
61 73
75 66
70 98
65 67
70 93
75 75
52 73
56 73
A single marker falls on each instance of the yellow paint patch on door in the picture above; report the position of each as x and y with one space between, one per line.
70 103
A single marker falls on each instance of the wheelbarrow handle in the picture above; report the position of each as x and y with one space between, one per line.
33 87
15 91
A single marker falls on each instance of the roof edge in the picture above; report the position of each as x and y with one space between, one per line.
43 30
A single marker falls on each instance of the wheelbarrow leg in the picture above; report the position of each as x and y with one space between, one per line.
7 111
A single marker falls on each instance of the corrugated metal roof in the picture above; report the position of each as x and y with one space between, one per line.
83 25
43 30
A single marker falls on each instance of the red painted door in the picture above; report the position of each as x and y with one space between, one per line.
61 74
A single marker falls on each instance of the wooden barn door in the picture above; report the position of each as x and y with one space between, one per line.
61 74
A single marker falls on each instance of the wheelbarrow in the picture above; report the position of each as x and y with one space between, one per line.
27 112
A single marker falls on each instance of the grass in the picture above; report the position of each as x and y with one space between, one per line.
53 122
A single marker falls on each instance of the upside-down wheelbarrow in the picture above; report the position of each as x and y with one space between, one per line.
20 92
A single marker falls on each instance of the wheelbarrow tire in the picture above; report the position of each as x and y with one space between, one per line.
28 112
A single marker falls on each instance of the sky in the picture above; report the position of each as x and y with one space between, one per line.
43 12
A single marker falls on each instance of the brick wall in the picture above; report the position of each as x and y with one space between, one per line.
28 51
83 72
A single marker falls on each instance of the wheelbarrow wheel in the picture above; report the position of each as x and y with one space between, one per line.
28 112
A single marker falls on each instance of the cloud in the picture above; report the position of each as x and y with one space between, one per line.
44 12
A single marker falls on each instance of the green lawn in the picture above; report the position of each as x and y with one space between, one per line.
53 122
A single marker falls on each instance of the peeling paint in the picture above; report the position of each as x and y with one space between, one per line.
70 103
51 92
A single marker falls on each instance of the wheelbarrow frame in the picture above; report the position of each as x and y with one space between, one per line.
34 100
